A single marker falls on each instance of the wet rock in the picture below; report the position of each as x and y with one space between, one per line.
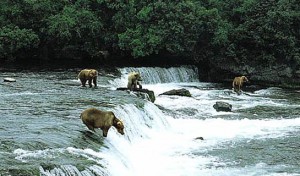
222 106
143 93
179 92
199 138
9 80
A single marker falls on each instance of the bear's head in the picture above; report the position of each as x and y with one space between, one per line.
120 127
118 124
137 76
93 73
244 78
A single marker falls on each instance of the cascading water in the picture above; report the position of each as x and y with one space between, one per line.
259 137
154 75
172 148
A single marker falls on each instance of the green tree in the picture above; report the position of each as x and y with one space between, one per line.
249 31
154 26
75 28
267 34
27 15
14 41
254 31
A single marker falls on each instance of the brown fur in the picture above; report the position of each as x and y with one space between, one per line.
133 80
88 75
238 83
94 118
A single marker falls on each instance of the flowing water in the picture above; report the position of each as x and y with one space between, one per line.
41 132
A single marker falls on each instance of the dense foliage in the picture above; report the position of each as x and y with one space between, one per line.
232 30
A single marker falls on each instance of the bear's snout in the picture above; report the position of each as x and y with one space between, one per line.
121 132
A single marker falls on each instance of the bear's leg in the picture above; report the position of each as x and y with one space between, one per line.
135 84
83 81
130 86
140 85
90 82
235 88
95 82
105 131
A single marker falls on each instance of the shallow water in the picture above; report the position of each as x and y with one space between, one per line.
41 132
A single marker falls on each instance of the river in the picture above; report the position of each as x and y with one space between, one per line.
41 132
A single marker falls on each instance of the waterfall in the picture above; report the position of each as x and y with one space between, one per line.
140 123
144 125
155 75
72 170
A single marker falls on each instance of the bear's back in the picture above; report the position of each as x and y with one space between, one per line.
97 118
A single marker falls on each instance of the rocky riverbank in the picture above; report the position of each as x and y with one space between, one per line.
279 75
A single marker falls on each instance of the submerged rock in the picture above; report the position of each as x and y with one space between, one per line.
179 92
143 93
222 106
9 80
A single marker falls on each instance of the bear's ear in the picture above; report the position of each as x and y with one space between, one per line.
120 123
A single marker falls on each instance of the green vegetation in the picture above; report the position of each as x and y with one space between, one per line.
251 31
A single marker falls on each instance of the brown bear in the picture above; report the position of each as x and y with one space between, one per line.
133 80
238 83
88 75
94 118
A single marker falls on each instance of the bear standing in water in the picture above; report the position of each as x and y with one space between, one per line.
133 80
238 83
94 118
88 75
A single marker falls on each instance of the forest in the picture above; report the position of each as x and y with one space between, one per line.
204 32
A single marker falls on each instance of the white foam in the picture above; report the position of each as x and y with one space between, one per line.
26 155
169 150
158 144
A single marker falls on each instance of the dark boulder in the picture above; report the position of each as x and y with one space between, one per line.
143 93
222 106
179 92
199 138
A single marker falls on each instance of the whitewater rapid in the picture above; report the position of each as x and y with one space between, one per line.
164 144
259 137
